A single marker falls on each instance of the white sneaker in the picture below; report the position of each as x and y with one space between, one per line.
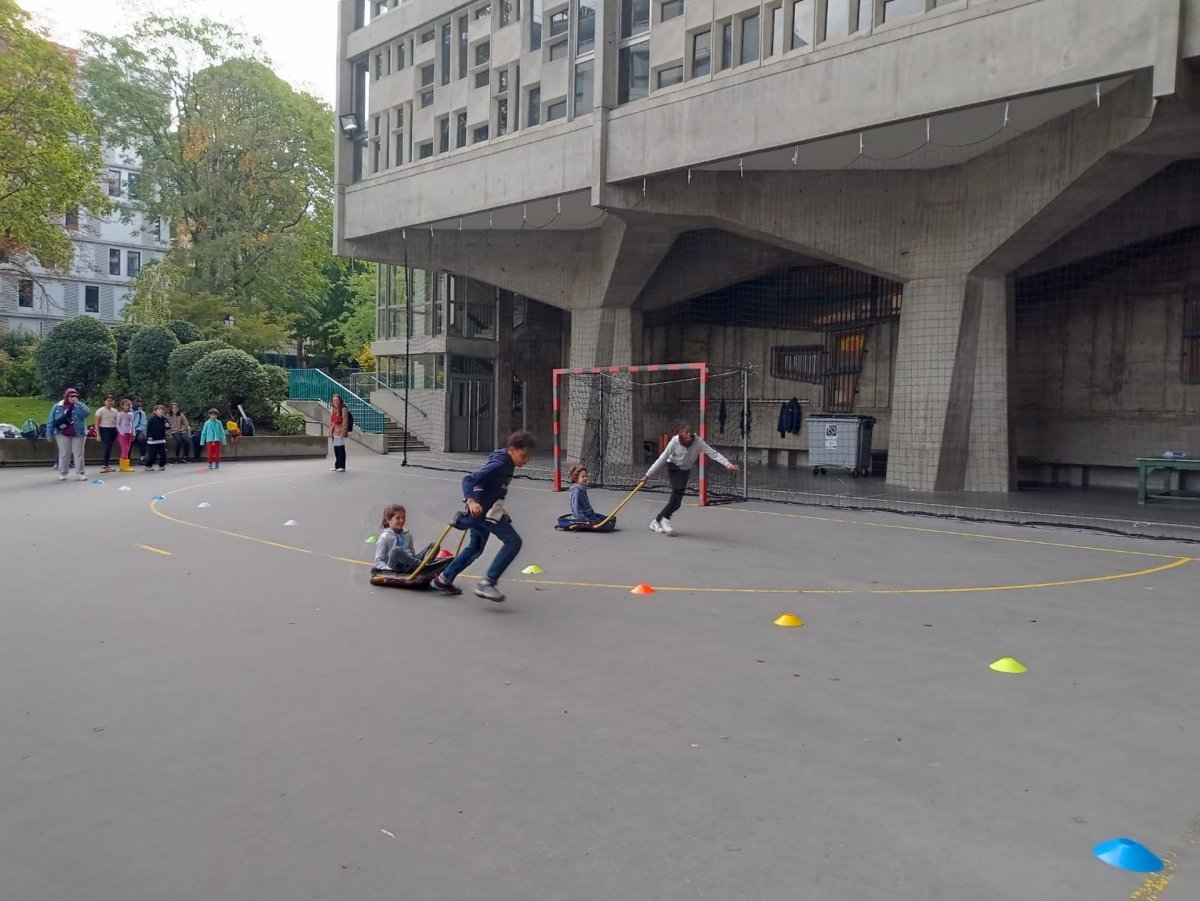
81 477
655 526
666 526
333 469
61 477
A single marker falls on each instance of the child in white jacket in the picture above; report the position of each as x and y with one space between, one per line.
681 454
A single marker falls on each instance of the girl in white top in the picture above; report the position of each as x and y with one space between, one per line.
681 454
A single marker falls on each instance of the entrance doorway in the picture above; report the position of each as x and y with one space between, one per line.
472 392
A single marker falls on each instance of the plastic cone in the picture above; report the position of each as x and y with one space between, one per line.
1008 665
124 488
204 504
370 539
642 589
1127 854
533 570
97 481
159 497
291 522
789 619
445 554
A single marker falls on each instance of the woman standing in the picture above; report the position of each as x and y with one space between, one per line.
125 432
67 426
106 426
340 423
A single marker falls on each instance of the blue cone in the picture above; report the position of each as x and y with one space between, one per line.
1127 854
97 481
159 497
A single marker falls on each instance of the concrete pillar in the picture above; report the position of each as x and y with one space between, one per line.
600 414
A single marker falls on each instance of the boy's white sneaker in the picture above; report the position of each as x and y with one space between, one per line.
665 525
656 526
61 477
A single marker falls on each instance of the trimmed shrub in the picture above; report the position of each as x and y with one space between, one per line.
80 353
184 331
224 379
289 423
147 357
181 362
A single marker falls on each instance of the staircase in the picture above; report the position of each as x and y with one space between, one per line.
317 385
400 441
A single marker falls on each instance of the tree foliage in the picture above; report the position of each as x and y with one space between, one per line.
50 155
79 353
224 379
147 358
184 331
183 358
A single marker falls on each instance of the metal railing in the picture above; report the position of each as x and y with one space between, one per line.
313 384
363 383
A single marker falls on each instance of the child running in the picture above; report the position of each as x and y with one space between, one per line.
681 454
581 507
484 492
212 437
394 550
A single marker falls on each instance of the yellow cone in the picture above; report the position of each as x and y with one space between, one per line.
1008 665
789 619
533 570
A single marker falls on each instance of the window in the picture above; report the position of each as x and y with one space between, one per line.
483 53
633 73
556 110
376 157
837 19
558 51
501 81
1191 336
798 364
776 32
480 134
427 36
586 30
114 182
426 99
400 55
133 185
669 76
506 12
359 160
670 9
726 45
445 53
425 151
398 154
158 229
91 299
559 22
749 39
133 263
535 105
482 12
865 9
583 88
635 17
701 53
444 134
520 310
535 26
114 262
375 120
25 294
460 129
502 116
379 65
71 220
462 47
802 23
482 78
427 75
898 9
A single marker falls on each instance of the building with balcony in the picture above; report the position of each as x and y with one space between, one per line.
109 252
974 220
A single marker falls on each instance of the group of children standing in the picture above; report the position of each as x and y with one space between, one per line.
484 493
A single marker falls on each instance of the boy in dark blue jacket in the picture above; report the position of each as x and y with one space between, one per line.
484 493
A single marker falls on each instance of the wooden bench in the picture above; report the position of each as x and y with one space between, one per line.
1147 465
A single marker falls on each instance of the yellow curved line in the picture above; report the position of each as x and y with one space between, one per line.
1177 561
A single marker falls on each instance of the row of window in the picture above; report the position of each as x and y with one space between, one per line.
133 181
91 296
133 262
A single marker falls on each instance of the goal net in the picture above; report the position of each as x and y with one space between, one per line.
617 420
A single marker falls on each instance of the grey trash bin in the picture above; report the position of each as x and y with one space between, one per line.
840 441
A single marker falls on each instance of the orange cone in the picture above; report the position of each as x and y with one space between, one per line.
642 589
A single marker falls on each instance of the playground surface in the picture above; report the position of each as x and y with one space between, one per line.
201 702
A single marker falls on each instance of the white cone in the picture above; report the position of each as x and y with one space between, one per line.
124 488
204 504
291 522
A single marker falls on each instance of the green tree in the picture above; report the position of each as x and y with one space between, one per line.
239 161
79 353
147 359
183 359
184 331
224 379
50 155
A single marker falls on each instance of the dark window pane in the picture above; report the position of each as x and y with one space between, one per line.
479 134
559 23
482 77
749 39
460 130
671 9
726 45
668 77
114 262
633 73
535 26
535 106
701 53
635 17
462 47
587 26
91 299
25 294
802 23
837 19
897 9
446 53
558 51
557 110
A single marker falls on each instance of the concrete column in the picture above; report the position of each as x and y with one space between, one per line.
600 414
991 457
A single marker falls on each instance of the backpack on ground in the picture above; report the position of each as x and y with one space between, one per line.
30 429
245 424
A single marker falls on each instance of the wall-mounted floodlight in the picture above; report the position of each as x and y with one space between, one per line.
349 124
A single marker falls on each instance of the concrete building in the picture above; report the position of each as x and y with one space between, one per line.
975 220
109 252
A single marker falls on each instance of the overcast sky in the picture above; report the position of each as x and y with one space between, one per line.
298 35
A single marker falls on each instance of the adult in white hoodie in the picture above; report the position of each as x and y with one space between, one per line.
680 455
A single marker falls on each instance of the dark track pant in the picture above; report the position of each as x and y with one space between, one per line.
108 437
679 482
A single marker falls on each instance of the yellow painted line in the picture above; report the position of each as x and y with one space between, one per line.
155 550
1156 883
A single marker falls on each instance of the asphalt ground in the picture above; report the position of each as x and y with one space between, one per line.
200 702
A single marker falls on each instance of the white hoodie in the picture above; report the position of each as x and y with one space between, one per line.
684 457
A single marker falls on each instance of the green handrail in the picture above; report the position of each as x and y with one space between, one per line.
313 384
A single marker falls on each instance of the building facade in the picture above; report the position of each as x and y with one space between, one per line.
970 219
109 253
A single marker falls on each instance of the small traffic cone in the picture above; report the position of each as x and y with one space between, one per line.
1126 854
1008 665
370 539
790 620
643 588
291 522
533 570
